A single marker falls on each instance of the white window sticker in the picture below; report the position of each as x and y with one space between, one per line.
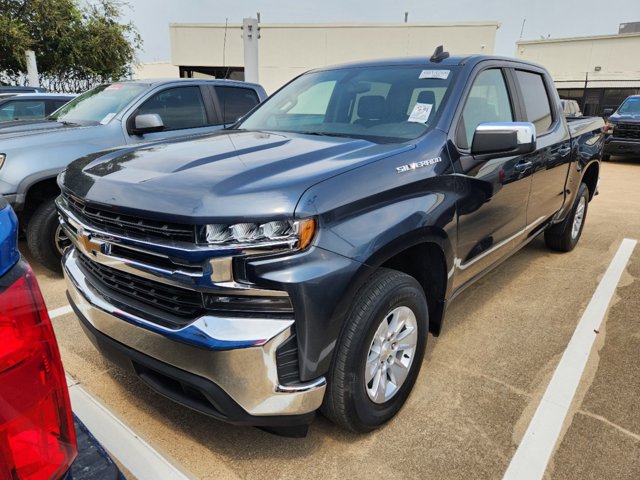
107 118
420 113
439 74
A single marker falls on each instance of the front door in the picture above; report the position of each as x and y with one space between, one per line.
492 208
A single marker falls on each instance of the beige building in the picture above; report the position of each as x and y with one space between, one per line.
599 72
287 50
144 71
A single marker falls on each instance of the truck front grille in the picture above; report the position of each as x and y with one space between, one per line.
121 224
627 130
177 307
179 302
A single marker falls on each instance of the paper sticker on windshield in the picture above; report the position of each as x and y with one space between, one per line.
439 74
420 113
107 118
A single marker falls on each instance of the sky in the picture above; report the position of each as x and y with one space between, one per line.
554 18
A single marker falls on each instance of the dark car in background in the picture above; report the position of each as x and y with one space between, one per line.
623 129
34 106
37 428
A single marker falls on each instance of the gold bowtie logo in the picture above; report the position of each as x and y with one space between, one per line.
89 245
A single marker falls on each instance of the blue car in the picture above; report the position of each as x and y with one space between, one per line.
39 436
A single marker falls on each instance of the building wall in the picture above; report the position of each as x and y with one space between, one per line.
287 50
570 60
155 70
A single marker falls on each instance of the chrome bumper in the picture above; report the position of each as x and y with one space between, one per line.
239 354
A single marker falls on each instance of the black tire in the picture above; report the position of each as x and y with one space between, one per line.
561 236
606 158
41 236
346 401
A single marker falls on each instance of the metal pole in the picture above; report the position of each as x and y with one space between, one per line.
250 36
584 94
32 69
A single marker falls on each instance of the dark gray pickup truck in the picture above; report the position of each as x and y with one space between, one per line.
297 260
622 131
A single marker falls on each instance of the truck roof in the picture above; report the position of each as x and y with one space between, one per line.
425 60
216 81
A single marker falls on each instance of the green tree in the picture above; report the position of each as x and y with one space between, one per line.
77 45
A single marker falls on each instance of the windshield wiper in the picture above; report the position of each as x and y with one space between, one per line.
325 134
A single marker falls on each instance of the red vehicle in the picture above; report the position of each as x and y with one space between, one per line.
37 428
37 435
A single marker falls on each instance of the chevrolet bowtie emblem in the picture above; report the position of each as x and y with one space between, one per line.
92 246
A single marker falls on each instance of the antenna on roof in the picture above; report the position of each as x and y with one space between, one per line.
439 54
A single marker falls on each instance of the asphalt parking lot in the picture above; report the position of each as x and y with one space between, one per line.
479 387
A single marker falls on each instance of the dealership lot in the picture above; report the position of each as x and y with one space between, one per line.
481 381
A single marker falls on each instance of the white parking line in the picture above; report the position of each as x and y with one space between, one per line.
137 456
60 311
539 441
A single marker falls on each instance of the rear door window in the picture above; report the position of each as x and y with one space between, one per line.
235 102
536 100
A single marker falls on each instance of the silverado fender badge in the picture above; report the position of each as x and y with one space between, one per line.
414 165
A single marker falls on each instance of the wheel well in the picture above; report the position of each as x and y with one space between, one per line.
590 178
426 263
36 194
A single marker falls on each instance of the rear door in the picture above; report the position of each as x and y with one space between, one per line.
493 190
551 166
185 110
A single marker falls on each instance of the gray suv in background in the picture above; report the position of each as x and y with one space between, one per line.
123 113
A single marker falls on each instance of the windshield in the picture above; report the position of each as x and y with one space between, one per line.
98 105
630 105
381 104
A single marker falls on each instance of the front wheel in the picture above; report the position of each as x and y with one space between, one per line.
564 236
45 238
379 353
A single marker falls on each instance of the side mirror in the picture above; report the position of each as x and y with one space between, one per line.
147 123
607 112
504 139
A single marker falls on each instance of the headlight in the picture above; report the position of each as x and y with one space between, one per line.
608 128
2 157
293 234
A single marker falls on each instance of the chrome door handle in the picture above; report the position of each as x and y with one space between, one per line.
522 166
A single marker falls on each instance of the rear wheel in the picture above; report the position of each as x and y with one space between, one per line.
45 238
564 236
379 353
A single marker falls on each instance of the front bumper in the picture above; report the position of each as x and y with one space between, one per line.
615 146
236 385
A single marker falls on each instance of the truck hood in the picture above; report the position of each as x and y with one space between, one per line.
220 177
22 126
635 118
